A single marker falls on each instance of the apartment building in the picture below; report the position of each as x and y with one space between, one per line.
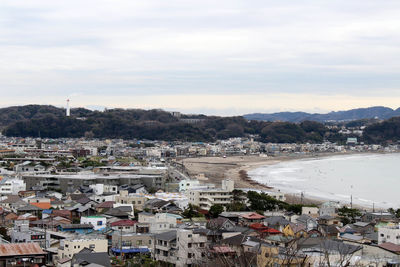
69 247
389 234
181 247
205 198
137 200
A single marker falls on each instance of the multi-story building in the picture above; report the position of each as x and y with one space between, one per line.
389 234
180 247
11 186
21 233
137 200
205 198
69 247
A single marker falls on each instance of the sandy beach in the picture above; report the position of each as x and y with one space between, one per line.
215 169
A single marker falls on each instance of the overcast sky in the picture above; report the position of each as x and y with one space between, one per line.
215 57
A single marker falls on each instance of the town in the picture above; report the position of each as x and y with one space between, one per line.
80 202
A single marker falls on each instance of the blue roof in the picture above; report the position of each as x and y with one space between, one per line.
47 211
130 250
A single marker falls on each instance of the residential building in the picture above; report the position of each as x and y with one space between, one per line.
98 222
389 234
69 247
205 198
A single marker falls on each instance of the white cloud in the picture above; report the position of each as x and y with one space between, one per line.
179 47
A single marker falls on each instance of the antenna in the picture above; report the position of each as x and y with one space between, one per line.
68 109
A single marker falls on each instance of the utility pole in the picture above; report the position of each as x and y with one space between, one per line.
120 244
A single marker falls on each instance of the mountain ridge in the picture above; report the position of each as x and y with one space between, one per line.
379 112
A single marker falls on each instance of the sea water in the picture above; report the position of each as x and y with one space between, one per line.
366 179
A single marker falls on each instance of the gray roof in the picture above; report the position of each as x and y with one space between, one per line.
167 236
276 220
361 224
326 245
352 237
77 226
99 258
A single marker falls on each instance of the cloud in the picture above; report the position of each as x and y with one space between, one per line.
147 49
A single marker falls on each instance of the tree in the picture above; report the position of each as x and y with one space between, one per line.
348 215
216 210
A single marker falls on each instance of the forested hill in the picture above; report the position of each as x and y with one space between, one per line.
51 122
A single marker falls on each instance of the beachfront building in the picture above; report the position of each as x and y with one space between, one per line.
205 198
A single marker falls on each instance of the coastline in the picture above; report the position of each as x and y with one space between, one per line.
215 169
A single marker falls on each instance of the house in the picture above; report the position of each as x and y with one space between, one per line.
98 222
308 221
86 257
104 206
363 227
377 217
76 228
270 255
295 230
137 200
276 222
123 225
21 254
128 241
69 247
249 218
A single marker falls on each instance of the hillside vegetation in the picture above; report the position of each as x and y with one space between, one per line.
51 122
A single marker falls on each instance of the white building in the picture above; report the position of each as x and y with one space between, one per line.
185 185
100 189
180 247
205 198
389 234
69 247
11 186
98 222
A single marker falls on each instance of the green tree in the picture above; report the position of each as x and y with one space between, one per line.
216 210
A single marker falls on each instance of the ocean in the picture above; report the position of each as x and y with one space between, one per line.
371 179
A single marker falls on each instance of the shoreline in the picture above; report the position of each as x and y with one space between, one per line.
236 167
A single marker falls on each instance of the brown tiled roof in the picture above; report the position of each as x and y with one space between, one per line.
391 247
17 249
105 204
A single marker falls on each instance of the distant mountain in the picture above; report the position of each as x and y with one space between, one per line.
348 115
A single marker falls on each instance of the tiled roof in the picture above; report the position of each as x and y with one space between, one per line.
391 247
17 249
123 223
42 205
253 216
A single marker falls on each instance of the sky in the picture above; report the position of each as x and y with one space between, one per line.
213 57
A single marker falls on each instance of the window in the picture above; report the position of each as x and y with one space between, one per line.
189 236
189 245
92 246
139 242
99 223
